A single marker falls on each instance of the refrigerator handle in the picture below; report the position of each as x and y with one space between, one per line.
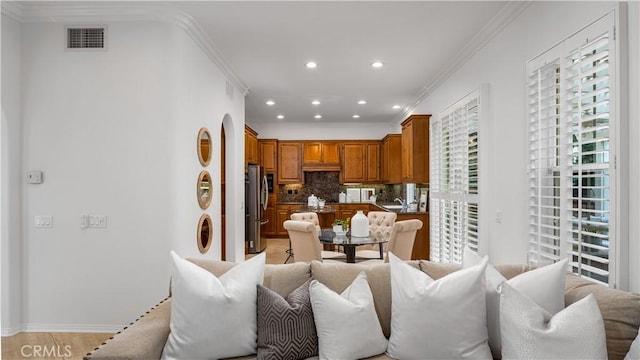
265 192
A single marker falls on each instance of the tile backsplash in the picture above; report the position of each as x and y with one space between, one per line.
326 185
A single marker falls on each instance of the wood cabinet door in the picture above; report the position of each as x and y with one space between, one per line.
384 171
289 163
282 215
373 163
312 152
407 151
354 167
331 153
268 159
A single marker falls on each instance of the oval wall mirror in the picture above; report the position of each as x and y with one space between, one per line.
205 233
204 189
204 146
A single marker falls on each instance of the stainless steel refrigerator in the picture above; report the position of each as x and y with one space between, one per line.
256 198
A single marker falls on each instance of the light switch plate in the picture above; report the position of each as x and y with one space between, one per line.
44 221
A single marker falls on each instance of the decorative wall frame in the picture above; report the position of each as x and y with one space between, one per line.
204 146
203 189
204 237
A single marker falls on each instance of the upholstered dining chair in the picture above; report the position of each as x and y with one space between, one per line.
312 217
403 235
380 224
303 238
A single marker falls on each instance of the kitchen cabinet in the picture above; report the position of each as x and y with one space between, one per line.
354 168
250 146
268 155
421 243
361 162
373 163
321 156
415 149
271 229
391 159
283 213
346 211
290 162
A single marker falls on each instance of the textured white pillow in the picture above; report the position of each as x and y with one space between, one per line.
576 332
213 318
634 350
443 319
545 286
347 324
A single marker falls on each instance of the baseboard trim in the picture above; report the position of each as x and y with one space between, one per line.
4 332
81 328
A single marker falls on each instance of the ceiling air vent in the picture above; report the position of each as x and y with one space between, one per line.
85 37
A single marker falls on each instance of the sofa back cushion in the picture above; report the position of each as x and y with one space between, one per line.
338 276
620 311
282 279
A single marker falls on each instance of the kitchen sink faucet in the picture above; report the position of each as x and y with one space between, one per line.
403 203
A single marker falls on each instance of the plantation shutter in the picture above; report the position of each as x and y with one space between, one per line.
454 187
571 175
546 138
588 100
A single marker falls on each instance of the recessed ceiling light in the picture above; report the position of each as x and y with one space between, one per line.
396 106
270 102
311 65
280 116
315 102
318 116
377 64
356 116
361 102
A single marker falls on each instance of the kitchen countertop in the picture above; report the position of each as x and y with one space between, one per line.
398 211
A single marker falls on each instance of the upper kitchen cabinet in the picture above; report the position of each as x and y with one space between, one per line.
321 156
361 162
268 154
373 162
289 162
250 146
415 149
391 155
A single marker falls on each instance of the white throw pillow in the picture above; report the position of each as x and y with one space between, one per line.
213 318
634 350
347 324
545 286
443 319
576 332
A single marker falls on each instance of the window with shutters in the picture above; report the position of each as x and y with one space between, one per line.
454 186
570 92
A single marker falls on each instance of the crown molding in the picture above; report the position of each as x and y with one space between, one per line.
86 12
11 9
504 17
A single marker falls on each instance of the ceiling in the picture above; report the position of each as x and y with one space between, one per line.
266 45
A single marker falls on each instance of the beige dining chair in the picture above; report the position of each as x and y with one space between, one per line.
312 218
304 240
403 235
380 224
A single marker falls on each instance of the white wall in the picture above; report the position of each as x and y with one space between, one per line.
11 181
634 145
501 64
115 134
322 131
